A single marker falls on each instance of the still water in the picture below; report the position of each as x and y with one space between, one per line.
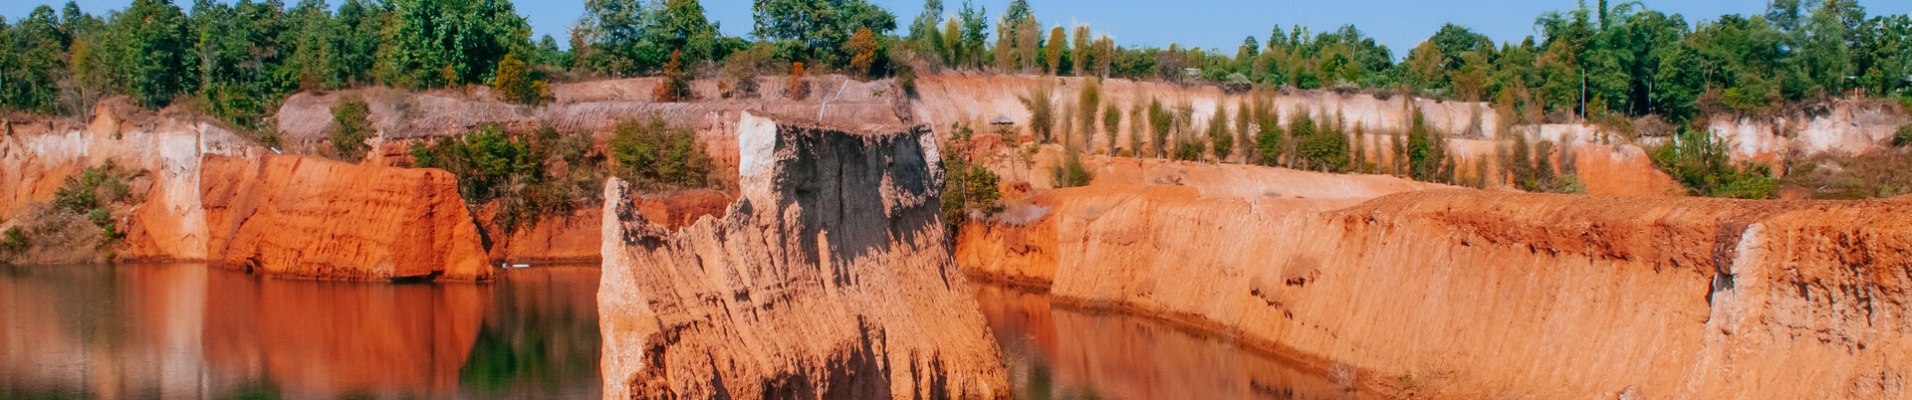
187 331
191 332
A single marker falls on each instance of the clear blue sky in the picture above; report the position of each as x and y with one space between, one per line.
1214 24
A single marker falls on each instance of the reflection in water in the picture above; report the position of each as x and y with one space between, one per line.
188 331
1056 353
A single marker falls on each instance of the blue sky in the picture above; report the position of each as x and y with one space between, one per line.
1214 24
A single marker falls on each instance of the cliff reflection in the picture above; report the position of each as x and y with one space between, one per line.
188 331
1059 353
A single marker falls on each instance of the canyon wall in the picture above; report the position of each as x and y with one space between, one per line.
315 218
828 278
1474 294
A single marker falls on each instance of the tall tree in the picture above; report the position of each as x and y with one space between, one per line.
436 43
150 50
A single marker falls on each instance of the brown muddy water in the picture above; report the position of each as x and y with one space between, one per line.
190 331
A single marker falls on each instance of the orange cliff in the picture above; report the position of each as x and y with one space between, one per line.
314 218
1473 294
827 279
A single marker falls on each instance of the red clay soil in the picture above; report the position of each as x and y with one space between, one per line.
1475 294
314 218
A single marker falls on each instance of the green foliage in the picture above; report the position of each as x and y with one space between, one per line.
529 176
488 162
817 30
1042 113
1161 121
653 154
94 192
149 49
1903 137
1427 156
351 127
514 82
1268 137
14 242
30 60
1111 122
1219 134
94 188
1070 172
1322 148
969 189
440 43
1703 164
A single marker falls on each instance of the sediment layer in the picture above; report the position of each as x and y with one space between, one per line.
829 279
1474 294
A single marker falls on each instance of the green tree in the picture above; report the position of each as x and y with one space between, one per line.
150 49
32 55
438 43
351 126
817 30
1219 134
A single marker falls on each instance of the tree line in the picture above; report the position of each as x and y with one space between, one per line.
238 61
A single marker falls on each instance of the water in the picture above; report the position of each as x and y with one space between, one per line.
1058 353
189 331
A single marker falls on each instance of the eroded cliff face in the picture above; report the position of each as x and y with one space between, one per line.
828 279
1473 294
314 218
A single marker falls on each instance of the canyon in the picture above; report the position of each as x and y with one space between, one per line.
818 264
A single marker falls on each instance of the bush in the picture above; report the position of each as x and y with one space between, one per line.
1161 121
1904 137
676 85
488 163
1219 135
514 82
15 242
1326 150
1042 113
741 69
1070 172
95 188
1111 121
1702 164
968 189
1268 140
350 129
654 155
530 176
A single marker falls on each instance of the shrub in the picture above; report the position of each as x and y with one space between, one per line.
1189 151
1268 140
968 189
1702 164
1219 135
15 242
1042 113
514 82
95 188
1325 150
350 129
652 154
1087 102
1111 122
488 163
1070 172
530 176
1160 122
676 84
1904 137
741 69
